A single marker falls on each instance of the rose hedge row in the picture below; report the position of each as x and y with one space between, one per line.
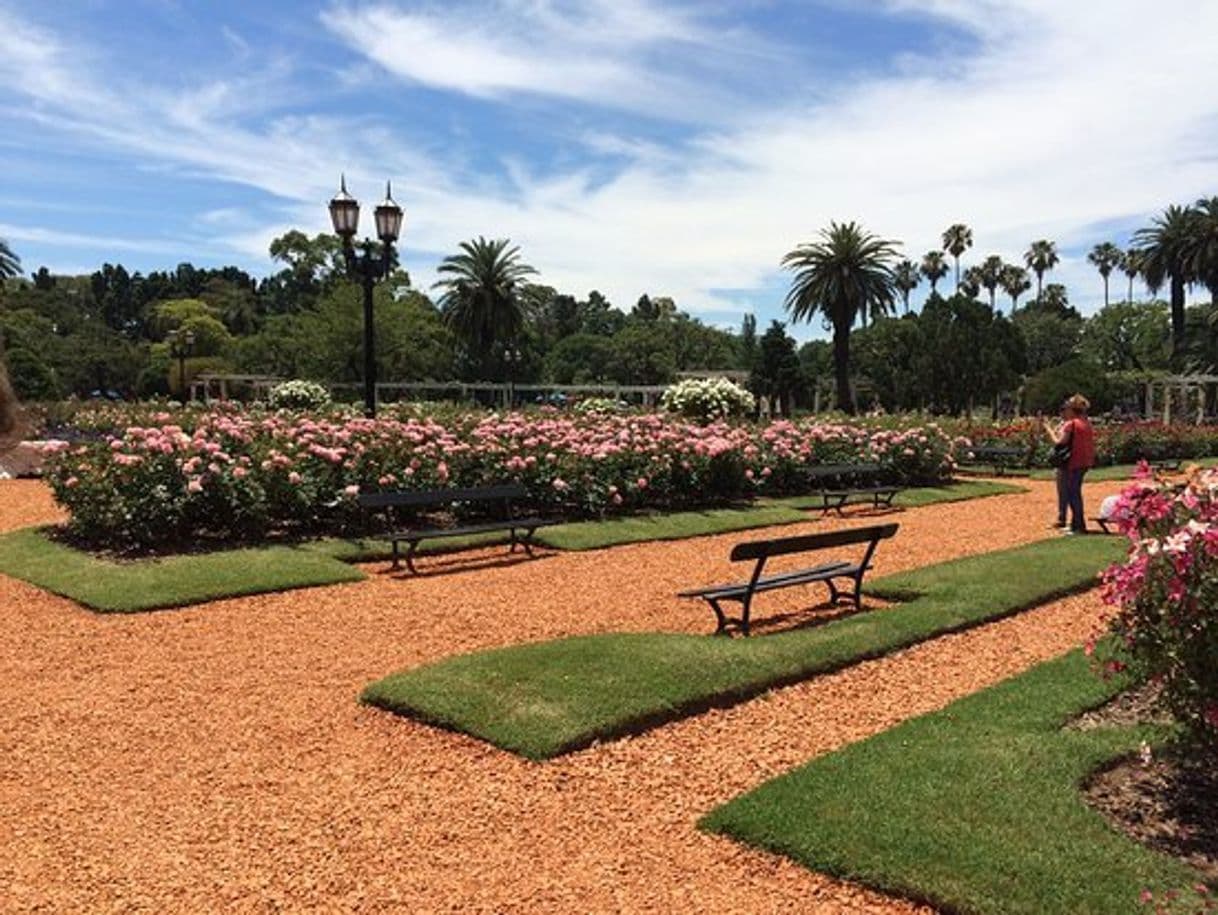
242 474
1165 596
1115 443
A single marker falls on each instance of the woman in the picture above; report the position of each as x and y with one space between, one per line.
1076 433
1060 473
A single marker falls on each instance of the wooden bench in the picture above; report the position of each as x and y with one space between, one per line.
855 484
1000 457
499 497
760 551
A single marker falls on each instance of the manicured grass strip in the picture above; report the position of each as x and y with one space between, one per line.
595 535
149 584
975 808
1114 471
922 495
543 699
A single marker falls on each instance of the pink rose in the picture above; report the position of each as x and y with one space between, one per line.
294 478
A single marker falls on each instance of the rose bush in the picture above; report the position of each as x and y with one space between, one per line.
1165 595
240 475
1115 443
705 400
298 395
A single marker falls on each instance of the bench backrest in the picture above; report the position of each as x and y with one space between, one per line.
843 470
806 543
420 498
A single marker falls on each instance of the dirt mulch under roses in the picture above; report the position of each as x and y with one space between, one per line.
215 758
1167 800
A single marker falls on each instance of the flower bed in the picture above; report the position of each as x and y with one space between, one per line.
242 474
1165 595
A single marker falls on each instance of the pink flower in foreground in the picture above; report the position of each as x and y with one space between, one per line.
195 485
71 482
351 491
294 478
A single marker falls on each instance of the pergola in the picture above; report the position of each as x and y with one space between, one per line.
1183 396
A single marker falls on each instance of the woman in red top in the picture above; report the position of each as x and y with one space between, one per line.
1080 436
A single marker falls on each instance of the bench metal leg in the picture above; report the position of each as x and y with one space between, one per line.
410 551
855 596
397 558
726 622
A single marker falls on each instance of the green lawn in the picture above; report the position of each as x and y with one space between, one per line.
544 699
149 584
975 808
595 535
1114 471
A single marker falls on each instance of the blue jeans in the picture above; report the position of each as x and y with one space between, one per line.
1063 499
1074 498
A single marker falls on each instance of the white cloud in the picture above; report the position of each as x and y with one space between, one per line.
1057 119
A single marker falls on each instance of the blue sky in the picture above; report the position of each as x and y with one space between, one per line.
674 148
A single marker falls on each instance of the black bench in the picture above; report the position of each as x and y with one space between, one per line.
1000 457
851 484
760 551
521 530
1166 465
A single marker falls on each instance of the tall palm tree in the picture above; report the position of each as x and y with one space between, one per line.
1041 257
990 275
970 283
1203 251
1165 246
1131 266
481 300
845 273
907 278
1106 257
10 263
957 239
1014 282
934 268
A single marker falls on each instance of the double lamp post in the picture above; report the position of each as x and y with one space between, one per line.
367 267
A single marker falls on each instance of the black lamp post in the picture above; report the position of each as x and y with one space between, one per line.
367 267
180 346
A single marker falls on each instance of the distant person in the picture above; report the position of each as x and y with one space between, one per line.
1076 434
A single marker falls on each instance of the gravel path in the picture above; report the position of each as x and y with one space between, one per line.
215 758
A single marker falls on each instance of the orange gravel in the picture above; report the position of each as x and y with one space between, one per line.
215 758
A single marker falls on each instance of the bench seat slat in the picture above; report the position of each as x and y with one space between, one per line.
770 582
863 491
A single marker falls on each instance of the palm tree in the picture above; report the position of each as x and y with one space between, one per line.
990 275
1131 266
1014 282
10 263
970 283
957 239
934 268
847 272
481 300
1203 252
907 279
1164 248
1041 257
1106 257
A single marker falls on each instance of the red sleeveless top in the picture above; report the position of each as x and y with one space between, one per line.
1082 444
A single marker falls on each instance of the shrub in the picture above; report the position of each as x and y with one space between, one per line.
705 400
298 395
1047 389
1165 596
592 405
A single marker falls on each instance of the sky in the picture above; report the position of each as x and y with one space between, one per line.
631 146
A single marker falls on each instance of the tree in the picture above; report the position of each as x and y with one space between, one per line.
1164 250
989 274
748 341
1015 282
1105 257
957 239
1041 257
934 268
580 358
481 299
907 279
1203 249
10 263
970 285
776 375
1126 337
1131 266
844 274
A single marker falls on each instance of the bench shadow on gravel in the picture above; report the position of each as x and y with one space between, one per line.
432 567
